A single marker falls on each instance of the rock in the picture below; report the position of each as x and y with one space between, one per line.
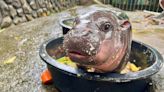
86 2
29 17
23 2
16 4
33 4
47 12
6 22
50 7
46 2
41 3
26 8
72 2
34 14
17 20
63 4
20 12
54 6
58 5
67 4
39 12
23 19
4 8
8 1
12 11
44 9
0 18
44 14
28 1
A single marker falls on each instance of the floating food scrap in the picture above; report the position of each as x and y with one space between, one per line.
1 30
130 67
90 69
10 60
78 75
66 60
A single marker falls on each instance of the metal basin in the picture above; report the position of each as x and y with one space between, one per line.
66 24
70 79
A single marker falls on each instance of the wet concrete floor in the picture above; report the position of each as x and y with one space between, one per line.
21 43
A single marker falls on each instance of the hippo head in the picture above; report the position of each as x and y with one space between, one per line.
99 39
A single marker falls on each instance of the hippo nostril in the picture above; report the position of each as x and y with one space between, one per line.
86 32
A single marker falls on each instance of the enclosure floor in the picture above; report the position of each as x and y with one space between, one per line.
22 42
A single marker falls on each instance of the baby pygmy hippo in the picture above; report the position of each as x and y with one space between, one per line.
99 40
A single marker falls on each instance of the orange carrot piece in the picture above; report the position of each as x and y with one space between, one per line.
46 77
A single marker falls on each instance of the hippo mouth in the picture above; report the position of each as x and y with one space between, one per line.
81 50
77 54
80 57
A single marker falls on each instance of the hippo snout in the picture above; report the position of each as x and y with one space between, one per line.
83 45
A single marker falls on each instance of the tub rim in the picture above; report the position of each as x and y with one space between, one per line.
110 77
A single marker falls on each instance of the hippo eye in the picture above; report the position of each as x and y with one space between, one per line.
106 27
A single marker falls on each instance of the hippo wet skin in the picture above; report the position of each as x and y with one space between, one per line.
99 40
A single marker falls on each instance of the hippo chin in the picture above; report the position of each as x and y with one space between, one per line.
100 40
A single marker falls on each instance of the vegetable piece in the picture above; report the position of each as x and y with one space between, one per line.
134 68
46 77
10 60
66 60
130 67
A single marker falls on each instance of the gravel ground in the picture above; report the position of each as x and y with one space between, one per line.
23 41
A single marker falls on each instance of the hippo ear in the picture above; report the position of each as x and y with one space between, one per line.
125 24
77 20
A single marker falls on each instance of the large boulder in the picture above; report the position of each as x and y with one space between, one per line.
8 1
41 3
50 6
86 2
16 3
34 5
12 11
4 8
29 17
6 22
34 14
56 4
26 8
39 12
20 12
0 18
18 20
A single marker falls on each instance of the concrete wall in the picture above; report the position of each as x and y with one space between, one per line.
19 11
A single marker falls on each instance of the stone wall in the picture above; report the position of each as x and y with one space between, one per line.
19 11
